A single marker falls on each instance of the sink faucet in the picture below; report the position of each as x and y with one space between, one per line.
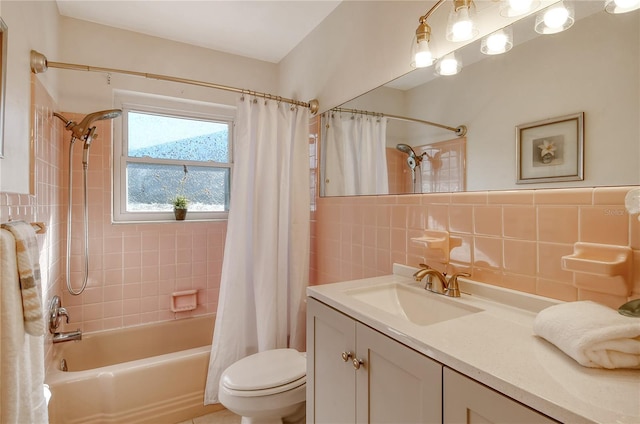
439 284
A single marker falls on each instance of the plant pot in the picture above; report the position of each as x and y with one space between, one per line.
180 214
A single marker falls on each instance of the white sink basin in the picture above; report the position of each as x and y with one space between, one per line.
410 303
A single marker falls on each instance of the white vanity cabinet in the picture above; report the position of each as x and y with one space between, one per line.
467 401
356 374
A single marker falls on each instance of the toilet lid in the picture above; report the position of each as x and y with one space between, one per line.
264 370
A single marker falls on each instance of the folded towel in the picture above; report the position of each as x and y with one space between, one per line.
594 335
28 254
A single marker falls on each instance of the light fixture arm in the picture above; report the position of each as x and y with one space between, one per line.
423 32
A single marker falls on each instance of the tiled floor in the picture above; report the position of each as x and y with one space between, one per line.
220 417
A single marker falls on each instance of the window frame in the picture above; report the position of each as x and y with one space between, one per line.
171 107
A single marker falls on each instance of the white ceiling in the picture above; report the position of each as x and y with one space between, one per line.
260 29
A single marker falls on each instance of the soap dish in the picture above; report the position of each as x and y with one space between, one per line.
183 301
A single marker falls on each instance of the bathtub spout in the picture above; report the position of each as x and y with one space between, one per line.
66 336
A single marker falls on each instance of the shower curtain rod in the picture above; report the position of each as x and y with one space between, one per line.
460 130
39 64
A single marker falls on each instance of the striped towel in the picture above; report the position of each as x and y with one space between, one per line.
27 253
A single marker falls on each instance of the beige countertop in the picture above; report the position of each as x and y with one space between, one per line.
497 347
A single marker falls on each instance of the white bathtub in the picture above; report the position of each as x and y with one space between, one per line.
152 373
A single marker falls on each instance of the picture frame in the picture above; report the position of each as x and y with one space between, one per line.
551 150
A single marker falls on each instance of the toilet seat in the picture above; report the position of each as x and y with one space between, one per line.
266 373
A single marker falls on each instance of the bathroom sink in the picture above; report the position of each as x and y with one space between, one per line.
412 304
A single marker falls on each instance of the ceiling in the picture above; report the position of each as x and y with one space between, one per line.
260 29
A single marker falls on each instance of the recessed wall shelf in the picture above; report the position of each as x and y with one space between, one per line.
437 244
612 264
183 301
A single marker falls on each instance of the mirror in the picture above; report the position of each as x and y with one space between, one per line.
3 79
591 68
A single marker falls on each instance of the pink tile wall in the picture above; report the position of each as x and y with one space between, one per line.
44 204
134 268
512 239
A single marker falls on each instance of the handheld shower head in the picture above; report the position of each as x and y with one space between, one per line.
405 148
81 130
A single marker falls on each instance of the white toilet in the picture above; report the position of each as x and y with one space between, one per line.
266 388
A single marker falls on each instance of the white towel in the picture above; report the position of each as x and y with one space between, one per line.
28 254
594 335
21 355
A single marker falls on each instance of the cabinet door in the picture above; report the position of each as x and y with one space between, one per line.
467 401
330 379
395 384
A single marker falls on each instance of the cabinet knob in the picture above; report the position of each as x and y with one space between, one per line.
346 356
357 363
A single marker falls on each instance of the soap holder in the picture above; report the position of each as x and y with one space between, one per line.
437 244
611 264
600 259
183 301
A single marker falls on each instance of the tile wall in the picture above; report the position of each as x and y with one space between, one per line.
512 239
133 268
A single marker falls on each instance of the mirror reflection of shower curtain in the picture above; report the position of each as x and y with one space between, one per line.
265 270
353 143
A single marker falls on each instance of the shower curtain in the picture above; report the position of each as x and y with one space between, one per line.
356 159
265 269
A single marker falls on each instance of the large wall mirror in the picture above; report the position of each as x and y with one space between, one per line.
592 68
3 79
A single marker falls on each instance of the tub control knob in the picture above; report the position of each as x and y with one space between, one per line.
346 356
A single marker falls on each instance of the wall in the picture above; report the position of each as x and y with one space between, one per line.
512 239
21 18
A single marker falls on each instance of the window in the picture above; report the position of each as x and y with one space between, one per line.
160 153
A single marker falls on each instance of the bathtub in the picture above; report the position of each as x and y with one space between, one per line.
151 373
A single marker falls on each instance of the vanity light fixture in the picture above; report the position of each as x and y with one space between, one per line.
513 8
448 65
498 42
621 6
461 26
554 19
421 56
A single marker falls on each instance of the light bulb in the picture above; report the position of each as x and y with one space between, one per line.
621 6
556 17
498 42
448 65
513 8
423 56
520 6
463 28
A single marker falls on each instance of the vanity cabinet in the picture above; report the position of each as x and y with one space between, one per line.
358 375
467 401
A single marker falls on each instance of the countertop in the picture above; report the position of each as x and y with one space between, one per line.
498 348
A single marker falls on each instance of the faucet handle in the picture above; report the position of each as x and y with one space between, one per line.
453 290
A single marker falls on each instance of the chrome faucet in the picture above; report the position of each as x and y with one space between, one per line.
56 312
439 284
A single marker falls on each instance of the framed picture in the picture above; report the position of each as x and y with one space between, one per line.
551 150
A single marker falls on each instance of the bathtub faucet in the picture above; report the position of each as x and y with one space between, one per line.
66 336
56 312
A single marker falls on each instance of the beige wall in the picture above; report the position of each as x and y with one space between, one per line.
31 25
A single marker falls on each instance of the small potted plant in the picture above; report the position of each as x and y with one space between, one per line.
180 207
180 202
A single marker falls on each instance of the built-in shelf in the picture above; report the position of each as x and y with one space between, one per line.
437 244
611 264
183 301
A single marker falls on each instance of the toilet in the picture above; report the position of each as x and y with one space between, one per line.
267 387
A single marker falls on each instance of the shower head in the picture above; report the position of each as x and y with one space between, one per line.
82 129
405 148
